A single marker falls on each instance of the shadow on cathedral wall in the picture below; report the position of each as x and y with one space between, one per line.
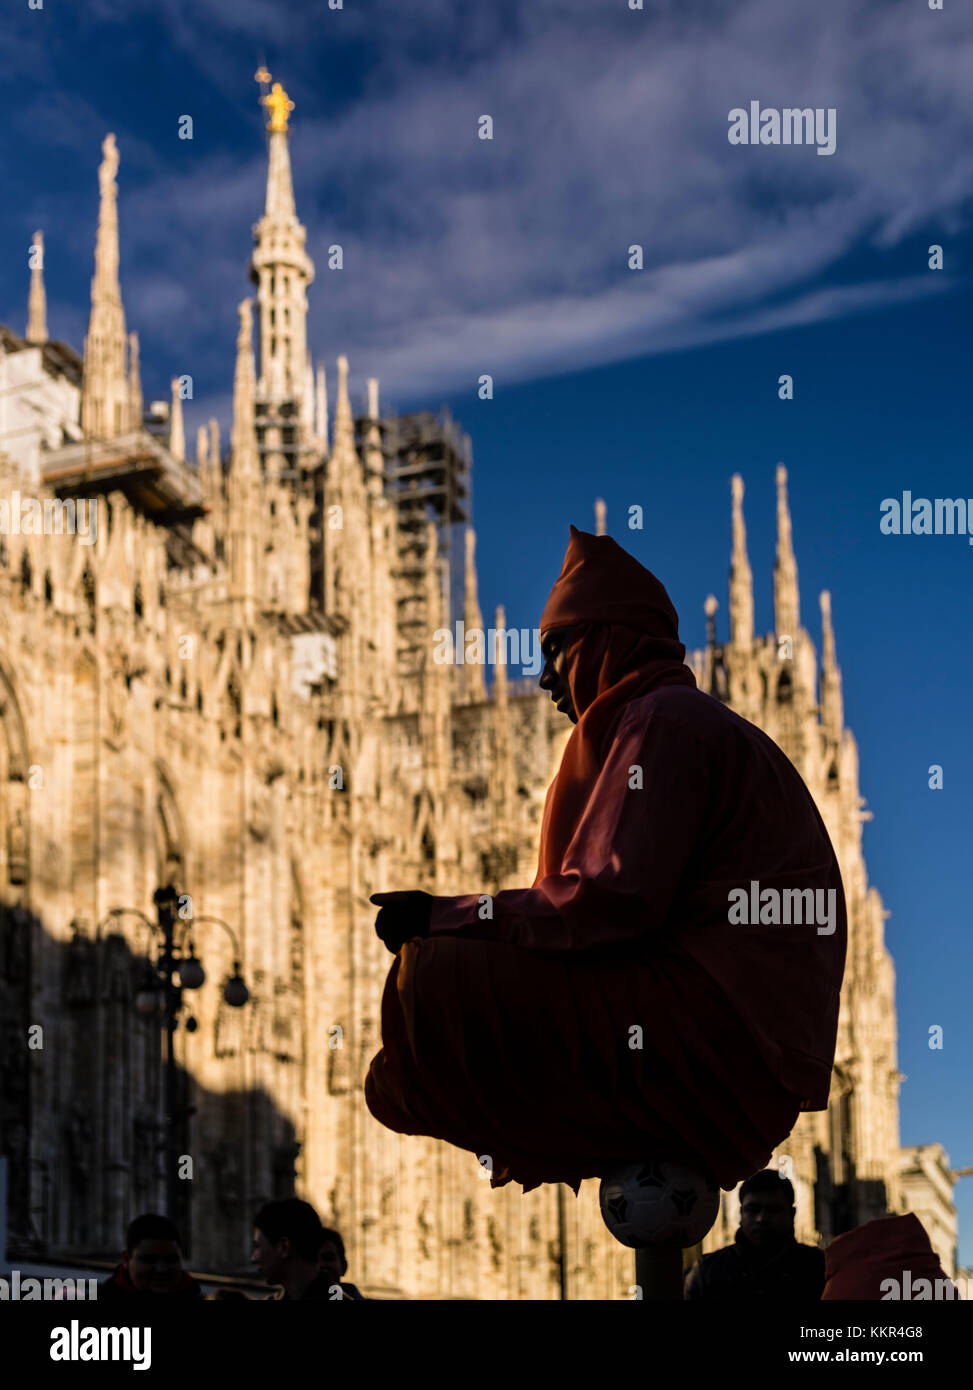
842 1204
82 1120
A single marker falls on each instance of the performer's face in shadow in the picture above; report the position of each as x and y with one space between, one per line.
554 677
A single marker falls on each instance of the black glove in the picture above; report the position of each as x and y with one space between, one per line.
402 916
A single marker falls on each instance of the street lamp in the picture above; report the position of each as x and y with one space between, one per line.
160 993
191 973
235 992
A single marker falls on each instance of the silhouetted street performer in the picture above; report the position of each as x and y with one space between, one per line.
620 1008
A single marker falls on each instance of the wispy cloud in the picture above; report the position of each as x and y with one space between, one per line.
509 256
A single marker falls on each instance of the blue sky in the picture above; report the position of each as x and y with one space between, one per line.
509 257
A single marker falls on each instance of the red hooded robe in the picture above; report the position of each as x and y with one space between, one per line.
860 1264
612 1011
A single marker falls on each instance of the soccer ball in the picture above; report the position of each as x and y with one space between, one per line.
658 1203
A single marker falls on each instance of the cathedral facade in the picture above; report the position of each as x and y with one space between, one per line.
218 675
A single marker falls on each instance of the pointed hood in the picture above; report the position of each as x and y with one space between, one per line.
857 1262
623 618
624 644
601 583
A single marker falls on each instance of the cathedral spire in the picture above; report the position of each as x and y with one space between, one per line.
215 457
374 458
787 609
321 408
105 399
472 619
279 202
134 383
832 705
243 442
499 655
36 298
280 267
202 451
344 428
741 575
242 487
177 432
307 402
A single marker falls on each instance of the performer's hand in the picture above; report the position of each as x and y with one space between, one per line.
402 916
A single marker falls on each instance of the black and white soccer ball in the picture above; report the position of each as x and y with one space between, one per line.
658 1203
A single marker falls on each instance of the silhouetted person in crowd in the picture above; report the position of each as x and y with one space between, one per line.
889 1259
287 1241
764 1261
333 1264
151 1263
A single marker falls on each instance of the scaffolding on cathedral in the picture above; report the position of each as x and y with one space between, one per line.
428 463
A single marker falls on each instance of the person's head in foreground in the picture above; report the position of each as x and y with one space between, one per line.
287 1240
607 618
767 1209
153 1257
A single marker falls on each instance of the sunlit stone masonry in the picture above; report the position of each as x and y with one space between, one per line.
223 679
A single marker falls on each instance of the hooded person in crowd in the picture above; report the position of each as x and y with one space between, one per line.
890 1258
619 1008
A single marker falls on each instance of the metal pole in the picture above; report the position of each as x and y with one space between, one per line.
167 927
561 1239
658 1272
172 1185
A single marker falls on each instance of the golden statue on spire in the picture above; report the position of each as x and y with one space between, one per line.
276 100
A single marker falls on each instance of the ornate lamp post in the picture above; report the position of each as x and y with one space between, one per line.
160 993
